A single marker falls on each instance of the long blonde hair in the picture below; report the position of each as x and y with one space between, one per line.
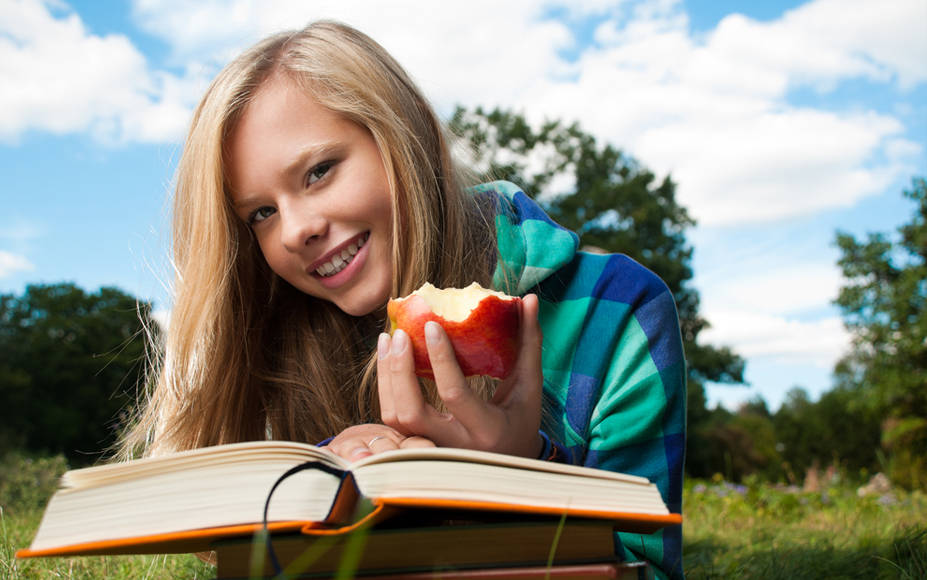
247 356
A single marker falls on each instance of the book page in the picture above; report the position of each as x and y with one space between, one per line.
484 457
231 454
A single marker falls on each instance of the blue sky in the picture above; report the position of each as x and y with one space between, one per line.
781 122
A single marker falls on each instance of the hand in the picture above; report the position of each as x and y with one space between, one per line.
362 441
508 423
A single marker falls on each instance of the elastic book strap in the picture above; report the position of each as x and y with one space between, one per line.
342 476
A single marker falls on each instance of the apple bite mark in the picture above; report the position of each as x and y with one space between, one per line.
481 324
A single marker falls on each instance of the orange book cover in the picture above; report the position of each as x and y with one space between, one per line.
183 502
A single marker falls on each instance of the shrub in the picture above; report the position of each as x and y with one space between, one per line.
26 482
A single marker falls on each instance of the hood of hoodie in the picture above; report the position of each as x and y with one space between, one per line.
531 246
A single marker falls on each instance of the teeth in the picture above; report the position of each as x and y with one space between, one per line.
340 261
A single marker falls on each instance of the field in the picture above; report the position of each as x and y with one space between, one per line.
757 530
765 531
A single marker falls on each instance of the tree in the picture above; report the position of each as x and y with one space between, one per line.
69 364
614 204
884 306
735 444
837 428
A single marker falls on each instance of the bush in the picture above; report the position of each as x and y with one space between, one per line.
26 483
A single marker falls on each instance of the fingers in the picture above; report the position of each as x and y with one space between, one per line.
507 424
384 384
402 405
526 379
361 441
453 389
416 442
531 336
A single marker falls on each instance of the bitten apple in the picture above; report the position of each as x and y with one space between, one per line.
481 324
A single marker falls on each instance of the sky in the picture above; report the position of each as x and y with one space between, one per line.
781 122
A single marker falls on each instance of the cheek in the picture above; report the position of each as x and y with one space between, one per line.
271 254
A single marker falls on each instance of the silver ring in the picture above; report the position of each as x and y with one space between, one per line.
375 439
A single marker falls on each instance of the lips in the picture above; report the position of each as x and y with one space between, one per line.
340 260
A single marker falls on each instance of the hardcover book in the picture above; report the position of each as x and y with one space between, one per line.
185 502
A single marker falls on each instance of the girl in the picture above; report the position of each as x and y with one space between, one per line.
315 184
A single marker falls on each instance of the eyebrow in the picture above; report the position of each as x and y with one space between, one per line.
318 150
294 166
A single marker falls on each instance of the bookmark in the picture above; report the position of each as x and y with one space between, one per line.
340 474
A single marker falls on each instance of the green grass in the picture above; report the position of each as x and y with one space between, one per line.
765 531
25 486
18 528
753 531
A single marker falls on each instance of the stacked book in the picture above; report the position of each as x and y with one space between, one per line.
271 507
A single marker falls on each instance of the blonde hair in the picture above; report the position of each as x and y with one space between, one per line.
247 356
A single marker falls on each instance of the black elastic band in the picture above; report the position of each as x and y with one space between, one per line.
340 474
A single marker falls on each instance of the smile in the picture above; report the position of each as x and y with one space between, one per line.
340 261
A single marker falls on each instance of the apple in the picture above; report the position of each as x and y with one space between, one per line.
481 324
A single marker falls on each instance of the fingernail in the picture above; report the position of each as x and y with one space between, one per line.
398 342
432 332
383 345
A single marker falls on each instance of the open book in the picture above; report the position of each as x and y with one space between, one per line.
185 501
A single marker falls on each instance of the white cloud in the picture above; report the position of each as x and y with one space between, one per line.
711 110
770 304
753 333
845 39
777 164
19 231
715 113
204 31
780 291
162 317
11 263
60 78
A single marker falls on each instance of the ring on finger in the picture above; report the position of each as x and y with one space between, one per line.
375 439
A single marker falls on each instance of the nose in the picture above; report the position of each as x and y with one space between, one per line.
298 228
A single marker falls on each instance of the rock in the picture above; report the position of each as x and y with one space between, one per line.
878 485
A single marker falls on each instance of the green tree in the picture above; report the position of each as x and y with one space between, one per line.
735 444
614 204
838 428
884 306
69 364
800 434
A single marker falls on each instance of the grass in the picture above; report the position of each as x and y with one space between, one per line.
25 485
731 531
17 530
765 531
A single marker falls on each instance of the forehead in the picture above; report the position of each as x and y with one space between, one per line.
280 125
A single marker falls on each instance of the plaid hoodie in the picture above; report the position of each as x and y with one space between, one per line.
614 370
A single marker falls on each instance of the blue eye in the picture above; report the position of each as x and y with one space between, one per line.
318 172
261 214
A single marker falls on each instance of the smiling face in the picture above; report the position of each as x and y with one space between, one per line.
313 188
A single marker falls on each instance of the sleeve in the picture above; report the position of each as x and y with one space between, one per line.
552 450
637 422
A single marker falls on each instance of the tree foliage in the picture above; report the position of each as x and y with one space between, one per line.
837 428
69 364
613 203
884 305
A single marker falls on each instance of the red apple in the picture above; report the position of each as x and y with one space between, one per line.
481 324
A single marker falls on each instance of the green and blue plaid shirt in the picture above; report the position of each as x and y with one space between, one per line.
614 369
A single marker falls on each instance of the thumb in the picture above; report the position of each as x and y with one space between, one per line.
526 379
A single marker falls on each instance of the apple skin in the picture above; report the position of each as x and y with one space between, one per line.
485 343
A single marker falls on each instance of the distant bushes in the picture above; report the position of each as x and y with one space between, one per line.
27 482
